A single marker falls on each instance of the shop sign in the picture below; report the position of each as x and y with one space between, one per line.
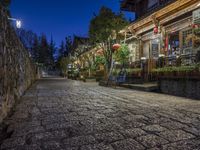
155 48
196 16
150 36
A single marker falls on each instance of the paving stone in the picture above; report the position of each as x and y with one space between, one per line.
71 115
108 137
97 147
26 147
71 148
51 145
154 128
43 136
79 140
151 140
25 131
128 144
193 130
173 125
176 135
183 145
133 133
57 125
13 142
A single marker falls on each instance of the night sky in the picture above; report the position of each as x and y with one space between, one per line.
59 18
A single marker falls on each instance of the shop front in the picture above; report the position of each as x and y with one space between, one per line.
151 45
182 39
134 50
196 30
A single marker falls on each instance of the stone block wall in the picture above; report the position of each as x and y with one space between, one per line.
17 72
185 87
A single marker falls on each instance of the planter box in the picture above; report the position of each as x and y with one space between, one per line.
185 86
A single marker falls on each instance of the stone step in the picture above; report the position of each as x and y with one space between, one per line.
148 87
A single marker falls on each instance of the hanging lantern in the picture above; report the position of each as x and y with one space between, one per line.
116 47
195 26
155 30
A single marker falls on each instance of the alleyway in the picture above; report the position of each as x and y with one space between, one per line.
63 114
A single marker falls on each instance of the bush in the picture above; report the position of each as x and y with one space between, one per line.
183 70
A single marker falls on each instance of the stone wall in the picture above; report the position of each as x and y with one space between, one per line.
186 87
16 69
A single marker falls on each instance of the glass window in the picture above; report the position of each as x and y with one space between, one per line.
197 37
187 38
174 44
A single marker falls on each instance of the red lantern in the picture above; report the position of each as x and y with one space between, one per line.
195 26
116 47
155 30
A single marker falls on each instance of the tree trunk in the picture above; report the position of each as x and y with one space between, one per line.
89 72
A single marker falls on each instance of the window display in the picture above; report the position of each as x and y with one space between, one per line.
174 44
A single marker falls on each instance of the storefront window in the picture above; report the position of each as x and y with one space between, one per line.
197 38
196 29
174 44
187 38
155 48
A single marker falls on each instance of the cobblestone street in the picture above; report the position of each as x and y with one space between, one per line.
71 115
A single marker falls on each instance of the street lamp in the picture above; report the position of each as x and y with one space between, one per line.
143 63
18 22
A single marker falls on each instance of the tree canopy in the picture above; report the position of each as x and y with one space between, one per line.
122 54
103 25
104 29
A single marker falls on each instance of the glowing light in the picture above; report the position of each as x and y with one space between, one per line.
198 4
18 24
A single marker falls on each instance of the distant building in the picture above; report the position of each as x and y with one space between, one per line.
80 45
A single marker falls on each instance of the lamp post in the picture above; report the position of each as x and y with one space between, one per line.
143 64
18 22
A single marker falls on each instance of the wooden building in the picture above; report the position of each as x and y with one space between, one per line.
143 7
164 28
80 45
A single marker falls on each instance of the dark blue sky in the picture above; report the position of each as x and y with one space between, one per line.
59 17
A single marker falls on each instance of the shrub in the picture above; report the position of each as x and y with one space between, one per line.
184 69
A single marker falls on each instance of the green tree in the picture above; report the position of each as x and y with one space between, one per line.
5 3
63 63
52 50
99 60
122 54
35 49
61 50
44 52
68 45
104 29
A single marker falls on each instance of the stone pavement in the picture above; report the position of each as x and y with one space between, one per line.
62 114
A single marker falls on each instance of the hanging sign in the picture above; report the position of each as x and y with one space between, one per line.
155 48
